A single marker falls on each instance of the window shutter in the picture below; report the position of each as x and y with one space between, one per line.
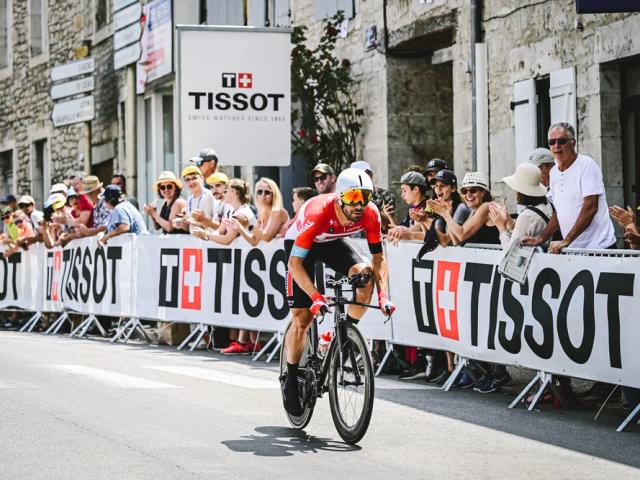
524 118
562 95
256 13
225 12
282 13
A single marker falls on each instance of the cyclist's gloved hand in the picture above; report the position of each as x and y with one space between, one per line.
387 307
319 305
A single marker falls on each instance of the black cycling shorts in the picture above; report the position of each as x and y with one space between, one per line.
339 255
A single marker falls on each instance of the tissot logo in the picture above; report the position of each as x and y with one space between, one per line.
447 298
237 80
181 278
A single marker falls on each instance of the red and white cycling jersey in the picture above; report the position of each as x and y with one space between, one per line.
316 222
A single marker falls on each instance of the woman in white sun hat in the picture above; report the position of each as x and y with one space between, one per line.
478 228
531 194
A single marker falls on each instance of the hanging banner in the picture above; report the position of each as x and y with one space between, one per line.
17 273
88 278
156 60
234 92
181 278
575 316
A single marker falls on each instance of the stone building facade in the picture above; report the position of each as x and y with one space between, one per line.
41 34
541 61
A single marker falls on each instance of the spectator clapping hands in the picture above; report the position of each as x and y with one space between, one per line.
622 216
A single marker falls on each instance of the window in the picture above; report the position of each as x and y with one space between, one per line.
328 8
38 177
37 24
226 12
167 132
101 13
543 111
7 184
4 33
282 13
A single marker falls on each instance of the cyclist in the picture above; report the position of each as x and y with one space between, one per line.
319 234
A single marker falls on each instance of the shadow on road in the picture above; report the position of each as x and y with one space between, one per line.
284 442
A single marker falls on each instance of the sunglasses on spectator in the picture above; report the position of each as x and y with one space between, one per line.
559 141
205 160
168 186
356 196
264 192
320 178
191 178
472 190
24 205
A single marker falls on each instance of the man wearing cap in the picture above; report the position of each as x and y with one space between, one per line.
581 211
324 178
206 161
218 184
385 200
413 188
543 159
27 204
200 201
434 166
121 181
124 217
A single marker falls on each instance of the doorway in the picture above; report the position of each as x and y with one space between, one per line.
630 119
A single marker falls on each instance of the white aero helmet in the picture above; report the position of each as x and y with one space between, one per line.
351 178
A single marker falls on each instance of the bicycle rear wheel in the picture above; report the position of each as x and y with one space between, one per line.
351 385
306 383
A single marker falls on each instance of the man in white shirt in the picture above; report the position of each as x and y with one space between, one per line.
577 189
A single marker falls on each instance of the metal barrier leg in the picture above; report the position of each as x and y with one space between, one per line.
140 329
455 374
199 331
265 347
545 379
389 348
276 349
526 390
57 325
133 323
33 321
629 419
121 330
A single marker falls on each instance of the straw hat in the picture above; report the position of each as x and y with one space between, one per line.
191 169
90 183
475 179
217 177
167 176
526 180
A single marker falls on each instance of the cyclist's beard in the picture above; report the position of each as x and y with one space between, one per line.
355 215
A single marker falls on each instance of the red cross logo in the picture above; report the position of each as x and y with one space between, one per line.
245 80
447 299
191 278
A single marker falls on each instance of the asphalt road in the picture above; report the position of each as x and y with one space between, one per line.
80 409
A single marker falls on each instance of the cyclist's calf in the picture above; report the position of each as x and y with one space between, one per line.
302 319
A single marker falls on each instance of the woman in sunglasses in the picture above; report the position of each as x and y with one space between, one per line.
169 204
273 219
478 228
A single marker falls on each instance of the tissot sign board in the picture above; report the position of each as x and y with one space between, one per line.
576 315
234 93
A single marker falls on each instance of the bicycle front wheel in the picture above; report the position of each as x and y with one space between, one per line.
351 388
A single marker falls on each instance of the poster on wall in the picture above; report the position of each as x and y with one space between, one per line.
156 59
234 93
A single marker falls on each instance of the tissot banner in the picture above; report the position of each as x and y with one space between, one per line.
19 279
89 278
234 93
576 315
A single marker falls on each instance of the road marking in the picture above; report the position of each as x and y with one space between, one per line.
220 377
111 378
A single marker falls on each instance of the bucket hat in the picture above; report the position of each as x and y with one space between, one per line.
526 180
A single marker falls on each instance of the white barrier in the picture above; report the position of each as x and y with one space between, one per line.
576 315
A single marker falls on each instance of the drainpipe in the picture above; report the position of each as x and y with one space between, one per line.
473 34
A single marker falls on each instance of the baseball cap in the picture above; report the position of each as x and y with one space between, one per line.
217 177
205 155
411 178
436 164
55 201
112 192
445 176
26 200
540 156
323 168
191 169
362 165
58 188
7 199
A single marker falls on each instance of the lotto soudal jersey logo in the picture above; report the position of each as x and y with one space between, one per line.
237 80
181 278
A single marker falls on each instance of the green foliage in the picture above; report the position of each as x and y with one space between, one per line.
325 118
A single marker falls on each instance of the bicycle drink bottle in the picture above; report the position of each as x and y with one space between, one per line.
323 343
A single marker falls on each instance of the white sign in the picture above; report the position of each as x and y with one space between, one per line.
17 272
73 111
126 56
73 87
127 16
157 44
120 4
73 69
234 92
127 35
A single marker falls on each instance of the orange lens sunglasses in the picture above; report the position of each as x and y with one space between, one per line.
356 196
